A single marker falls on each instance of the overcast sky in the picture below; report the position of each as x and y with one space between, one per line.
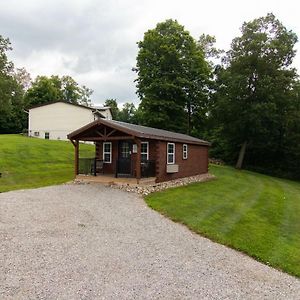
95 41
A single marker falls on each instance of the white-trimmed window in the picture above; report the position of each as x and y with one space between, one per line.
185 151
36 133
107 152
170 153
144 151
47 135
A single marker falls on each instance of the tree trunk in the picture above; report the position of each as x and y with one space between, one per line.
241 156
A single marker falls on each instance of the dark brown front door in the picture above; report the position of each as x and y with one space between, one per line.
124 158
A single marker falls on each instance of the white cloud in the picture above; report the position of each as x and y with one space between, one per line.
95 41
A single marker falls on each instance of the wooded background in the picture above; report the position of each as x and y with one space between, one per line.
245 101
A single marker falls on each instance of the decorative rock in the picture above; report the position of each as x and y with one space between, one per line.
148 189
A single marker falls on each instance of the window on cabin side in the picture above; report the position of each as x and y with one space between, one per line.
185 151
171 153
144 151
107 152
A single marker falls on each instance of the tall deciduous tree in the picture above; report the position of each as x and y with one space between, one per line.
12 117
290 160
127 113
172 77
254 88
50 89
23 78
112 103
85 96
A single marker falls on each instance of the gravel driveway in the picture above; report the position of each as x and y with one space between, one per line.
93 242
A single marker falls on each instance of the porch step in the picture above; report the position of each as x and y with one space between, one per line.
147 181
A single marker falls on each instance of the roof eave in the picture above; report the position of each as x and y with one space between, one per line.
162 138
76 134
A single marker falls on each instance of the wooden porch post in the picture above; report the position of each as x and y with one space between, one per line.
76 157
138 160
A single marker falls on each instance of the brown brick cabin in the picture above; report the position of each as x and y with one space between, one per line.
128 150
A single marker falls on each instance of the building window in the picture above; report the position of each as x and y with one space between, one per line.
125 150
107 152
185 151
47 135
36 133
170 153
144 151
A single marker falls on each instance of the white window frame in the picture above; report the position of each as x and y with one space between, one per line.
110 152
36 133
173 162
147 143
184 151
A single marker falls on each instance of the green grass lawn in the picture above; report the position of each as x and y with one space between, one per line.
254 213
31 162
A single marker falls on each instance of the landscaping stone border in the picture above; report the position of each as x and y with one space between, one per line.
147 189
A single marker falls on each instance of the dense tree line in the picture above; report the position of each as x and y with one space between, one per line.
127 113
256 100
12 117
246 103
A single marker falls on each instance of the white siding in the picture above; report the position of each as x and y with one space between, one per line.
59 119
106 113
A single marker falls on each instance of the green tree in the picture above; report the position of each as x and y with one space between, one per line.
70 89
12 116
172 78
50 89
85 96
253 96
112 103
6 82
128 113
290 161
206 44
44 90
23 78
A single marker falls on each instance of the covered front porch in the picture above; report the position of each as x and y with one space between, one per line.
119 154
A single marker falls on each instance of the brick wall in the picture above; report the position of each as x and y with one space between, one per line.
111 168
196 163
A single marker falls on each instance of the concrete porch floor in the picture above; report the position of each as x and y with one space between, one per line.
111 179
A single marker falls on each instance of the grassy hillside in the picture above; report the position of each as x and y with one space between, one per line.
30 162
257 214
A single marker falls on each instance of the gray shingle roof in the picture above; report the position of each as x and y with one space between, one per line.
154 132
139 131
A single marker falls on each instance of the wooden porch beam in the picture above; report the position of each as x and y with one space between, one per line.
98 132
138 159
110 133
112 138
76 158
